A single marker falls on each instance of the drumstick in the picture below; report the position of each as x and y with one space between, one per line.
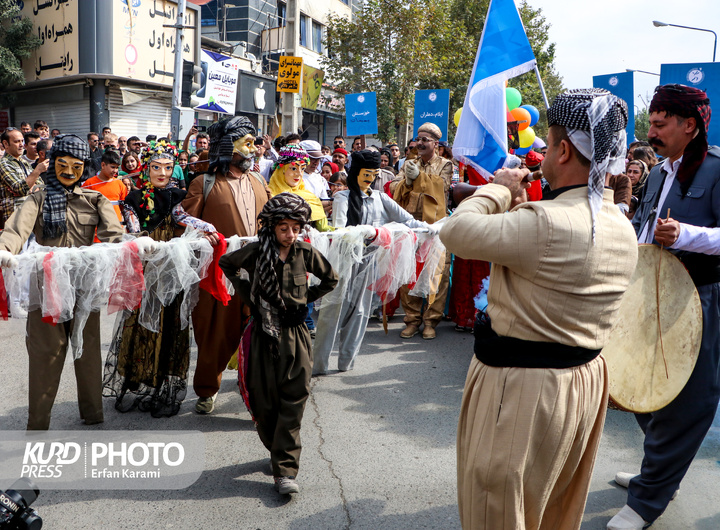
657 295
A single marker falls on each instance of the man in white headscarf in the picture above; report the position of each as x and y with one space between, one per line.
535 395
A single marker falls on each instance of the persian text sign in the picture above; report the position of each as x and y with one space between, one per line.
56 25
289 74
705 76
142 48
432 106
102 459
621 85
218 91
361 113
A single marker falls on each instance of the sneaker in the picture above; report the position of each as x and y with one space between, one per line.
627 519
409 331
312 333
623 479
286 485
205 405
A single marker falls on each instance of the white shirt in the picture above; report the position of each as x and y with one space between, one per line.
317 184
700 239
266 164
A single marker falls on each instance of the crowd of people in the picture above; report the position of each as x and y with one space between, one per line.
525 271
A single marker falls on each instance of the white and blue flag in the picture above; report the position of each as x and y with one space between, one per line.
504 52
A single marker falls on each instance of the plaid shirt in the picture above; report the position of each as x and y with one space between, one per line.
13 188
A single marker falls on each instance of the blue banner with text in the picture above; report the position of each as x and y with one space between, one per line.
432 106
705 76
622 86
361 113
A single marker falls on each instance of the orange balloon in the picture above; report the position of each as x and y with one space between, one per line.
523 118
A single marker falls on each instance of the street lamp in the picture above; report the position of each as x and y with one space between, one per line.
659 24
641 71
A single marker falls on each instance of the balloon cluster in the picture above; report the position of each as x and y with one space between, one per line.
526 116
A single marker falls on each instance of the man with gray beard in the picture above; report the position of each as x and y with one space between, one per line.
230 196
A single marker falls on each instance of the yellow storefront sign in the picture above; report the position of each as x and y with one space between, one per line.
289 74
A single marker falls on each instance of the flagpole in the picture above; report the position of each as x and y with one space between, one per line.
542 88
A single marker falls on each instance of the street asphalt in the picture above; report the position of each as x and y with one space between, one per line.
378 450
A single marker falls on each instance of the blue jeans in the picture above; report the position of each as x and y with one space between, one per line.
309 322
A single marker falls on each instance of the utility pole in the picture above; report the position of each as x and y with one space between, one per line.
177 81
291 116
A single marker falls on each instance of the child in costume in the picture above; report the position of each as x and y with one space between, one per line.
274 285
145 369
358 205
62 214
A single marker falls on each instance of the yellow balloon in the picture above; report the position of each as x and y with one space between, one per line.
527 137
456 118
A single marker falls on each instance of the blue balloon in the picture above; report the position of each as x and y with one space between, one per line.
534 114
522 151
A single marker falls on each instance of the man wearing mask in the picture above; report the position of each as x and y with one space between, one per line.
230 197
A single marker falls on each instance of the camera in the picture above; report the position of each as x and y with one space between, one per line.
15 511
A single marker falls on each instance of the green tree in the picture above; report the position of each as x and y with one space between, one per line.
17 42
381 50
642 124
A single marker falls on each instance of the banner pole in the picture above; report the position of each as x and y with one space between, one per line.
542 88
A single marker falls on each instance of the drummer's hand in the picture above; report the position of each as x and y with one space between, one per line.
667 231
513 179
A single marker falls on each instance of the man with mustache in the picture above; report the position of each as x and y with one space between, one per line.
686 185
422 187
230 197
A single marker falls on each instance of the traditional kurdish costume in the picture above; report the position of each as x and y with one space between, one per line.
536 392
690 188
279 366
148 369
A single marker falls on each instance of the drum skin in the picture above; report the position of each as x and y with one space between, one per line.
634 353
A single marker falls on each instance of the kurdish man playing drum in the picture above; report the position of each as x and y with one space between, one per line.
688 184
535 396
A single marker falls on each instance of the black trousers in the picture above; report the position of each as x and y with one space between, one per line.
673 434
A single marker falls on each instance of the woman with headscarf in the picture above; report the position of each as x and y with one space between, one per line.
145 369
358 205
638 172
276 373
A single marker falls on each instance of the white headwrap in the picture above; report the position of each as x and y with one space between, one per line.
595 122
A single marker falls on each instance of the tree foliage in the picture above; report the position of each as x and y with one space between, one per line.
17 41
393 48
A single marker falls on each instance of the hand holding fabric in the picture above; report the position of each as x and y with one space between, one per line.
7 260
146 246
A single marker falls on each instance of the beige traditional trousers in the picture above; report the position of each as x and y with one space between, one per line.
527 441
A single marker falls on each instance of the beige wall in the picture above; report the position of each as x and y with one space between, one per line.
143 48
56 24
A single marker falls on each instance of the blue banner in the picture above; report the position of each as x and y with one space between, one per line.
622 86
361 114
705 76
432 106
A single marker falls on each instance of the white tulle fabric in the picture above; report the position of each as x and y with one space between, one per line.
68 283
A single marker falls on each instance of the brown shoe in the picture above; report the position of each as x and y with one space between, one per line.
429 333
410 331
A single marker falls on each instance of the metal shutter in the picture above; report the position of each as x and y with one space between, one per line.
149 116
71 117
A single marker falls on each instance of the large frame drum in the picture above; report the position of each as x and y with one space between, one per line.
650 357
